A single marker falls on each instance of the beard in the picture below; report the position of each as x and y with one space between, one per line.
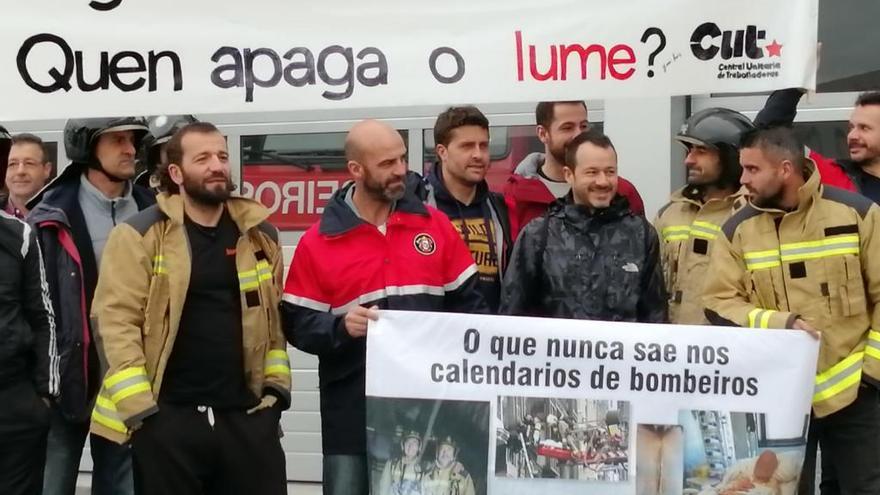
390 190
772 201
208 196
557 151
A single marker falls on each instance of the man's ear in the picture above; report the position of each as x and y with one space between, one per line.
355 169
176 173
569 175
543 134
442 152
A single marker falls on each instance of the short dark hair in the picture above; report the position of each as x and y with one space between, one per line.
26 138
175 152
781 142
868 98
544 111
592 136
455 117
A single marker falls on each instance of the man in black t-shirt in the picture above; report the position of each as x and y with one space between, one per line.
187 310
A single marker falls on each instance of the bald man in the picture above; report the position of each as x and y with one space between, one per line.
376 247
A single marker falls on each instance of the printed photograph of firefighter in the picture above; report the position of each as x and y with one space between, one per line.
732 453
575 439
427 447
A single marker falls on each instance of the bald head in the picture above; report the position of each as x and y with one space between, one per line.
367 135
376 158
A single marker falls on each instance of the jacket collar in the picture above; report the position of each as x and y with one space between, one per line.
441 193
529 165
567 209
694 195
89 193
246 213
339 218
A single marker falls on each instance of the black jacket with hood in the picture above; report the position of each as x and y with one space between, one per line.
491 210
72 274
587 264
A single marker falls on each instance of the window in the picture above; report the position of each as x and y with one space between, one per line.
849 35
293 175
828 138
507 148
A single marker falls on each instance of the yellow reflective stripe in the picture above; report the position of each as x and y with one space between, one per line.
765 319
839 377
707 225
131 390
676 232
264 271
159 264
873 348
277 370
757 260
699 228
703 235
753 315
250 279
761 254
105 413
676 229
760 318
277 354
824 253
808 250
277 363
125 374
126 383
763 265
831 241
837 368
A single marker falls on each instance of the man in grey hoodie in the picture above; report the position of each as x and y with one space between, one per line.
73 217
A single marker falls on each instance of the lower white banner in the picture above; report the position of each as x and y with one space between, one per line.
471 404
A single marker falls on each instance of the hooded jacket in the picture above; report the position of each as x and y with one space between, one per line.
139 303
817 262
420 263
28 350
485 226
579 263
72 274
532 197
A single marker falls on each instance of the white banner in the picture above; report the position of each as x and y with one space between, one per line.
564 406
74 58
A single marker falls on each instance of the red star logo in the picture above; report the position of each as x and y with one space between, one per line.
774 49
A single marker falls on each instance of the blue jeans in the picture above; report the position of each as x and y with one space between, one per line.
346 475
111 472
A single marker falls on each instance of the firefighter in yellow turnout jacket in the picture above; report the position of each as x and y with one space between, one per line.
690 222
803 256
186 308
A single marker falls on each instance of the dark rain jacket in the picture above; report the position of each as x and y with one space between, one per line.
72 274
591 265
27 322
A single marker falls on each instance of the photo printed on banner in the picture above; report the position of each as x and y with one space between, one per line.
659 459
734 453
427 447
571 439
